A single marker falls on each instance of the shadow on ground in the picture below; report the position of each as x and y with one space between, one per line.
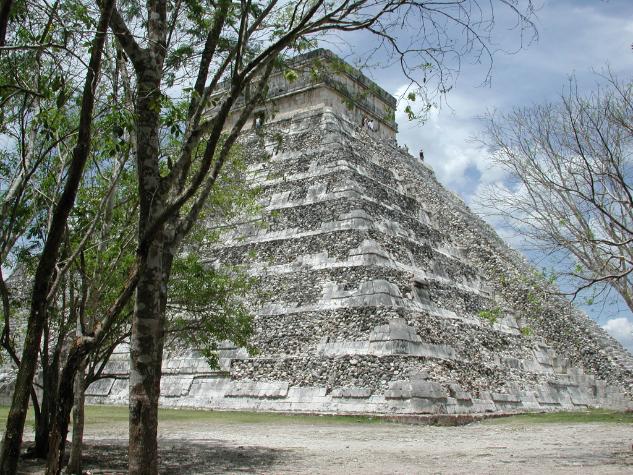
176 457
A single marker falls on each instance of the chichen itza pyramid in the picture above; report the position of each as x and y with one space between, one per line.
386 293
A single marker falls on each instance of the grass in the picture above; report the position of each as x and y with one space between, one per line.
575 417
114 415
118 415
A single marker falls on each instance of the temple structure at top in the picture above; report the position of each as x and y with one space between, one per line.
320 79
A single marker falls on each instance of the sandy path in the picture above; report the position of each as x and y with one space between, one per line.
188 448
477 448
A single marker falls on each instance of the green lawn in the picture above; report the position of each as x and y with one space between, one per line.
576 417
100 415
104 415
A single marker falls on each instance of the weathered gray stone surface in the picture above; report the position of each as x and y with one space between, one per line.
376 278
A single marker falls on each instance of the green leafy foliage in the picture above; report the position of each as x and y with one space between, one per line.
305 44
291 75
550 276
316 70
410 113
490 315
207 306
532 298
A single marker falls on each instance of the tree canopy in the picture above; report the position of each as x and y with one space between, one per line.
569 187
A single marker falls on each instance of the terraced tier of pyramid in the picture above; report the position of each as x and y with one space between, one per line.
386 294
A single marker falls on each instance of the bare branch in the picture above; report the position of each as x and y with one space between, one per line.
568 182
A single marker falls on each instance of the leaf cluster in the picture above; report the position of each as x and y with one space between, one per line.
207 306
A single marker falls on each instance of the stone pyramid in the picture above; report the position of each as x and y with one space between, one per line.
385 293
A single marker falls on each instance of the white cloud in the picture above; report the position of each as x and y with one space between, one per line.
621 329
575 37
446 137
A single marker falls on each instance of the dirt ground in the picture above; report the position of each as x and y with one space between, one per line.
202 447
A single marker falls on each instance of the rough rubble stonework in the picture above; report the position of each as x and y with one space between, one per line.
378 280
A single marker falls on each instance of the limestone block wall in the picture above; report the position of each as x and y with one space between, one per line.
376 279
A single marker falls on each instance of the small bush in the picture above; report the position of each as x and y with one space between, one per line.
490 315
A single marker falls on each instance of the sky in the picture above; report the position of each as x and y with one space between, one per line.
579 37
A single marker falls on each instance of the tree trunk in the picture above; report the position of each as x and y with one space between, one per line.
12 439
75 363
146 341
42 427
50 375
5 10
50 381
146 350
74 366
61 419
75 463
